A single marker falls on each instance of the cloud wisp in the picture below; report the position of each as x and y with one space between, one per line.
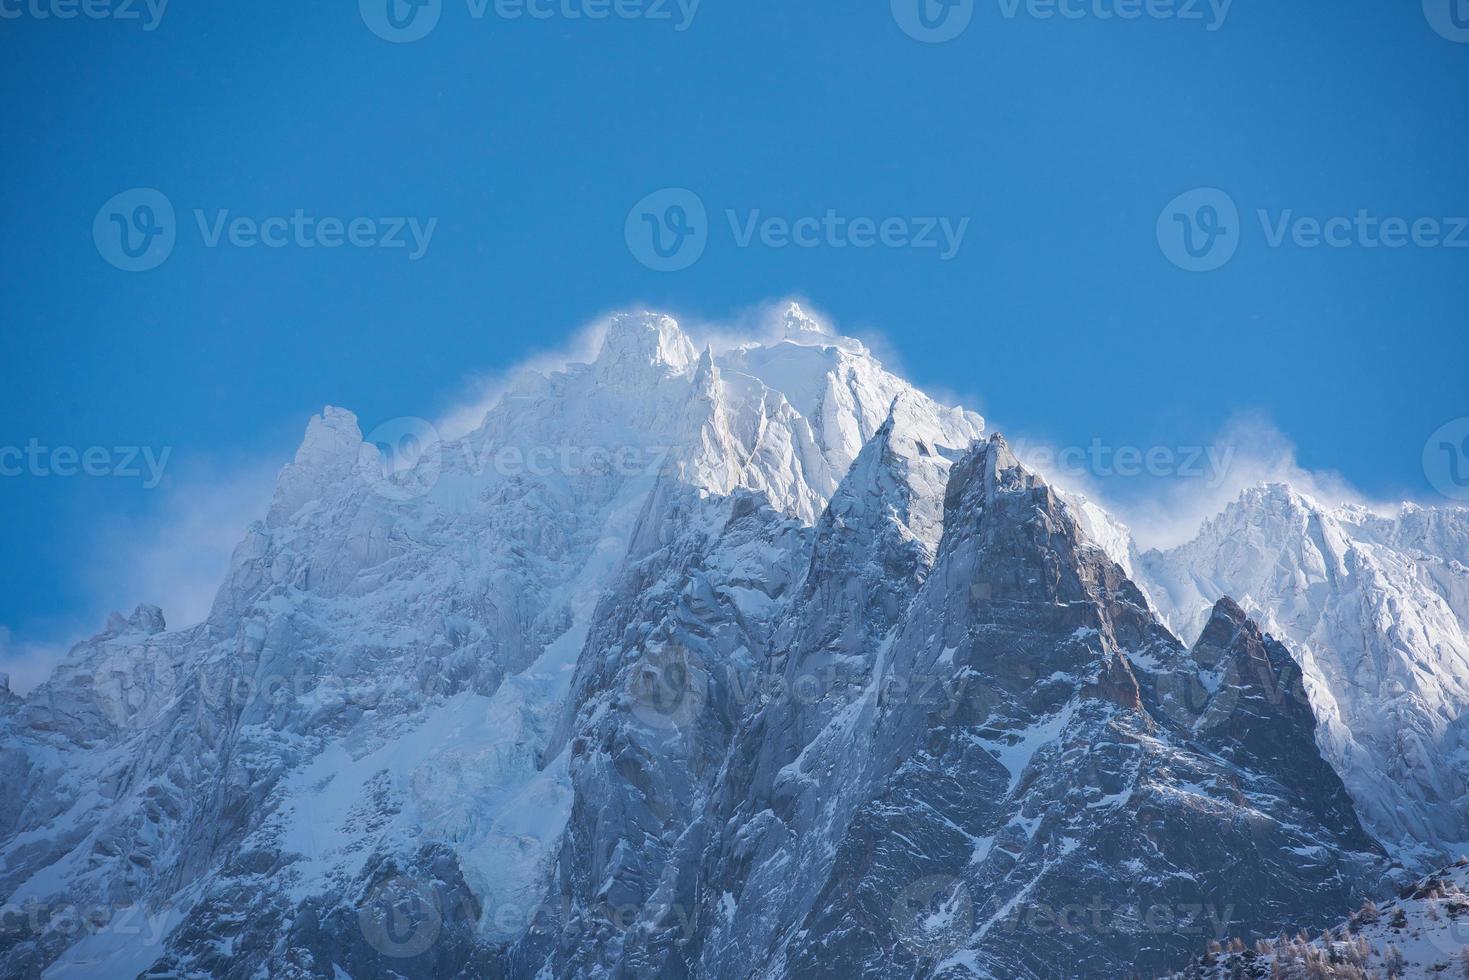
176 554
1164 494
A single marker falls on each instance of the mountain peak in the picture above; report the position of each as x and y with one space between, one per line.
886 429
705 374
1002 456
1278 495
329 450
797 326
798 323
145 619
990 467
1226 609
637 343
330 437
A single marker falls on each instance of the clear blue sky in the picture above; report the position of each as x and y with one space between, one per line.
529 140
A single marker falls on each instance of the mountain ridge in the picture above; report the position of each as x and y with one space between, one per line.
447 687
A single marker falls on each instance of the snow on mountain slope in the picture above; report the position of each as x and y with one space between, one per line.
1106 532
775 700
1088 759
1420 933
989 704
385 664
1374 609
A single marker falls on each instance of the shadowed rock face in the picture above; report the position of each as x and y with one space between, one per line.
1077 815
1374 608
1030 777
1258 716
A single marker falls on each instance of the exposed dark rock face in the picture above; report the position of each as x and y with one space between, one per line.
1068 819
1029 776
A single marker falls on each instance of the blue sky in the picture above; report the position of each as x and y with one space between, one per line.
527 140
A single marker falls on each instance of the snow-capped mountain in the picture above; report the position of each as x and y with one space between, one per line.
1030 739
748 662
1422 931
1376 611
